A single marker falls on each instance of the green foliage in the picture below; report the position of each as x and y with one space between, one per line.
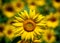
3 18
16 39
5 40
6 1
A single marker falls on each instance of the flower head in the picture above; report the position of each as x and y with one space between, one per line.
56 3
49 36
52 20
9 31
18 5
8 10
29 25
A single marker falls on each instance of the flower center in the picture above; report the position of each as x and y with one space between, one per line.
18 5
29 25
32 3
53 19
9 32
49 36
9 9
57 0
1 29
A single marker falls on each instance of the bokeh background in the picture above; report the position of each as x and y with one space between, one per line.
10 8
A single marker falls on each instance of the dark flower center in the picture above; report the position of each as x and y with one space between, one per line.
57 0
9 9
49 36
18 5
9 31
32 3
53 19
1 29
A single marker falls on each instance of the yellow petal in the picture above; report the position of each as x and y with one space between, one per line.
18 29
20 33
40 18
19 19
26 13
32 13
22 16
24 35
34 17
17 24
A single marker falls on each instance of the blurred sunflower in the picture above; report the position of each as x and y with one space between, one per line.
2 28
31 4
49 36
9 31
29 25
18 5
56 3
52 20
8 10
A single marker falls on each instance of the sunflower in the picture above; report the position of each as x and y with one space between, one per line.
49 36
8 10
2 28
31 4
56 3
9 31
29 25
52 20
18 5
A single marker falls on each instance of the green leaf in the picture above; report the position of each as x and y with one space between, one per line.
6 1
49 2
57 30
42 10
16 39
3 18
5 40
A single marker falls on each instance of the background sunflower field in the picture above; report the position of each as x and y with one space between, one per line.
44 13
